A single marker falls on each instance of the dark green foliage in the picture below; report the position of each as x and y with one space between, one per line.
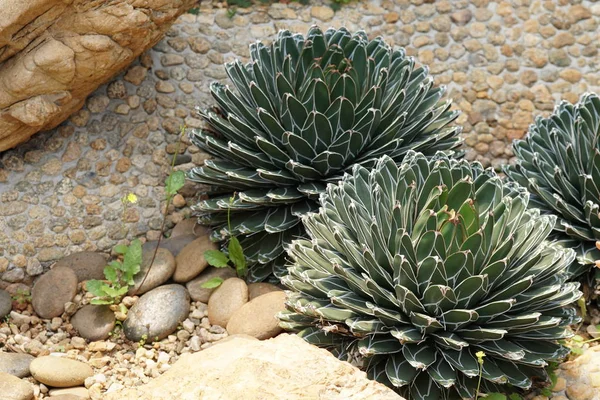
302 112
413 270
559 163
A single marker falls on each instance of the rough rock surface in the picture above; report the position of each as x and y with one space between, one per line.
252 370
53 53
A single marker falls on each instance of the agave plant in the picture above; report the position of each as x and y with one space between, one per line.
303 111
412 270
559 162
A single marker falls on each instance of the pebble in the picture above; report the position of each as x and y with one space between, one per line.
94 322
191 261
260 288
16 364
80 392
197 292
52 290
187 227
86 264
13 388
258 317
160 271
5 303
226 300
174 245
60 371
157 313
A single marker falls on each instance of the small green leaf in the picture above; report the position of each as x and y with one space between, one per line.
216 258
544 392
116 265
120 249
577 351
100 302
110 273
133 256
212 283
96 287
174 182
236 254
116 292
495 396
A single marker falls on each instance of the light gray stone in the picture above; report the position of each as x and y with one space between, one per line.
157 313
16 364
5 303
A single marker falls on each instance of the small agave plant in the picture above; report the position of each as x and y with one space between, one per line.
559 163
413 270
300 113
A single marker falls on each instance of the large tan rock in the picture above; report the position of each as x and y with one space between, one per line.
282 368
53 53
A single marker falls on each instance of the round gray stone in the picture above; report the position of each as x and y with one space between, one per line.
5 303
157 313
86 264
94 322
52 290
197 292
14 388
16 364
162 269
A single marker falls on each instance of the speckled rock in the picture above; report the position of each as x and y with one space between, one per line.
16 364
13 388
155 274
226 300
94 322
86 264
157 313
258 317
60 371
191 261
52 290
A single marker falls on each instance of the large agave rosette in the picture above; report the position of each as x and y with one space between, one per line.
411 270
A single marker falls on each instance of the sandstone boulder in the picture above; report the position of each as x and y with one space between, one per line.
241 369
53 53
